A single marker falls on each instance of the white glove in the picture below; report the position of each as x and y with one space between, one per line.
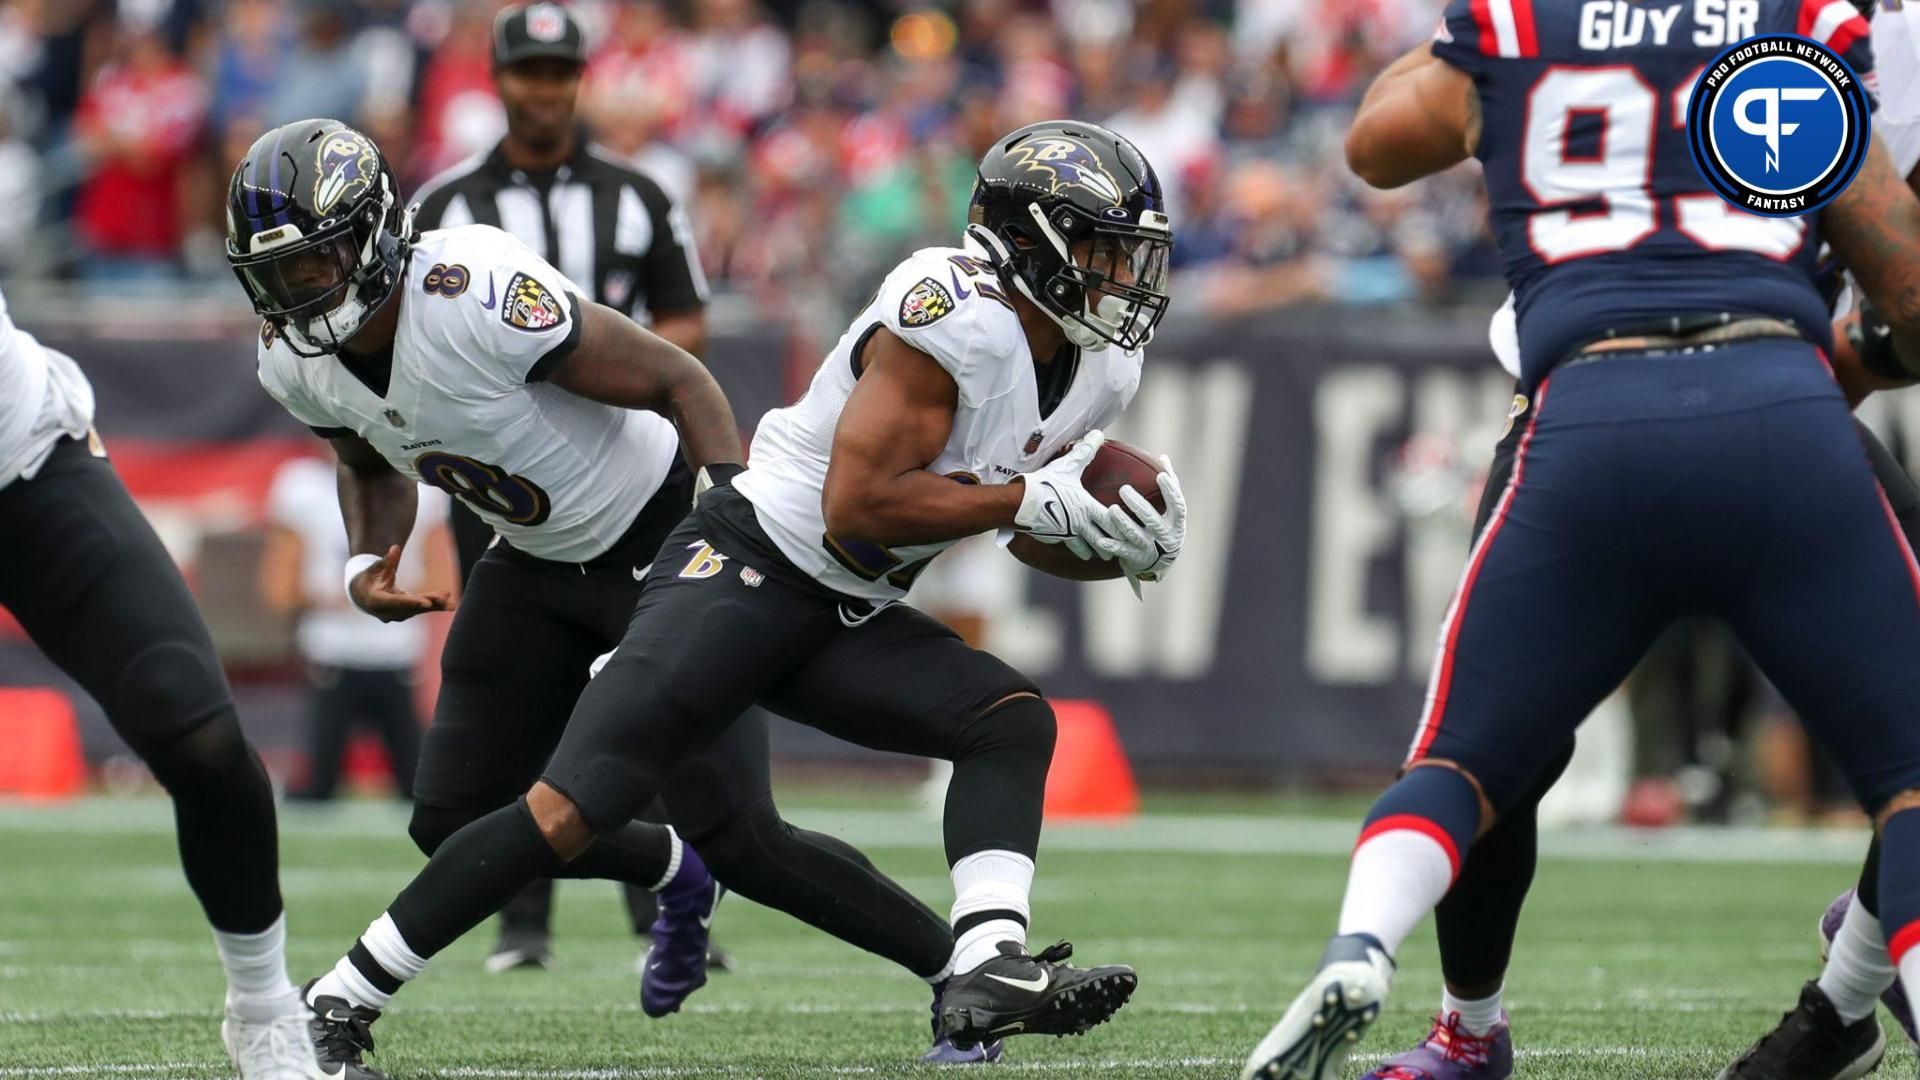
1055 508
1145 541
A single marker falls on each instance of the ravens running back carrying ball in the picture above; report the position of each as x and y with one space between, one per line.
937 416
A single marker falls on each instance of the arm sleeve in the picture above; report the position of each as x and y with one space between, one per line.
670 268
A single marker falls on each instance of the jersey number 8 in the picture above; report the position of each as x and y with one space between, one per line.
487 488
1619 173
447 281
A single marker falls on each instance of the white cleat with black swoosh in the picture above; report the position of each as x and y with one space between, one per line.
1018 994
1322 1026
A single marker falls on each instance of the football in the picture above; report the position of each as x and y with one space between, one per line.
1116 465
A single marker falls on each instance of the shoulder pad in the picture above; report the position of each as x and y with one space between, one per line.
934 303
482 295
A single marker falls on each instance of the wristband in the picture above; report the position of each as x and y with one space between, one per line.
1872 341
355 566
714 475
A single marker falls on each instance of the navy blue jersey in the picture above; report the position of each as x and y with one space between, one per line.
1602 219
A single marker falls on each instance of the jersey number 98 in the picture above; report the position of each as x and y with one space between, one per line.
487 488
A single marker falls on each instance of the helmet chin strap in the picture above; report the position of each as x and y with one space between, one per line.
997 252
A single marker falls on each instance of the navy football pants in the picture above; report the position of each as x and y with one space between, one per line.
1648 487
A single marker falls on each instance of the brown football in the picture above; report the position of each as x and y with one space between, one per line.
1116 465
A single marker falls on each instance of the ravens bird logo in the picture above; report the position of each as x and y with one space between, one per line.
348 163
1067 163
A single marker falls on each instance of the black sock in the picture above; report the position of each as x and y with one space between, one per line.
224 815
1868 891
1477 920
825 883
999 780
471 876
637 853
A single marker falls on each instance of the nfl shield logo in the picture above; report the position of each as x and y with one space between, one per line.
393 417
751 577
1033 441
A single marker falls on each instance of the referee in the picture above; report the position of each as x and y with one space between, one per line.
611 231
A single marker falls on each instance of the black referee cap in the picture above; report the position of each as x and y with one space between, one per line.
537 30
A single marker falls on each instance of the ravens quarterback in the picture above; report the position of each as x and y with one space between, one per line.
458 358
941 413
85 575
1686 450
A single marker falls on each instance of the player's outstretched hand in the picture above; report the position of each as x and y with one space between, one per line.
1055 507
375 592
1145 541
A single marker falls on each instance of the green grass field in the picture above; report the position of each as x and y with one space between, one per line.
1643 957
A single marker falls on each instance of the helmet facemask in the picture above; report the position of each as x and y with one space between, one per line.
1104 282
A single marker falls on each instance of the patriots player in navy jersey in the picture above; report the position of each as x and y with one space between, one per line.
1688 449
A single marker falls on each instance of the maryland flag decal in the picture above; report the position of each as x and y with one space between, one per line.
529 306
925 303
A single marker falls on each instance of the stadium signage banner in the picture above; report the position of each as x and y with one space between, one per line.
1330 464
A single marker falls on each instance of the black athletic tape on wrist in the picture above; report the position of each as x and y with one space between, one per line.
1872 341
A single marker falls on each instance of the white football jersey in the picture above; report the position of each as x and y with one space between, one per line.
43 397
481 320
948 303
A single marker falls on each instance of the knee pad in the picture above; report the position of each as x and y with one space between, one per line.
1023 725
210 758
701 801
431 825
1434 800
169 693
736 842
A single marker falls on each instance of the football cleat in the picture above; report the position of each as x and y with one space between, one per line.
1895 996
1322 1026
1018 994
1812 1043
719 960
341 1033
1451 1052
521 949
943 1052
676 965
277 1049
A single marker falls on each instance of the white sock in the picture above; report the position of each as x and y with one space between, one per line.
679 849
990 881
1477 1016
1397 876
1857 970
256 964
388 949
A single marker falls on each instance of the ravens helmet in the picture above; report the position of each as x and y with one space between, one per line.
316 231
1075 220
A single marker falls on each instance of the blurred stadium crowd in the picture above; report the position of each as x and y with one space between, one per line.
813 141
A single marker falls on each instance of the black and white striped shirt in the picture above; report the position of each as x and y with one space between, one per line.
606 226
